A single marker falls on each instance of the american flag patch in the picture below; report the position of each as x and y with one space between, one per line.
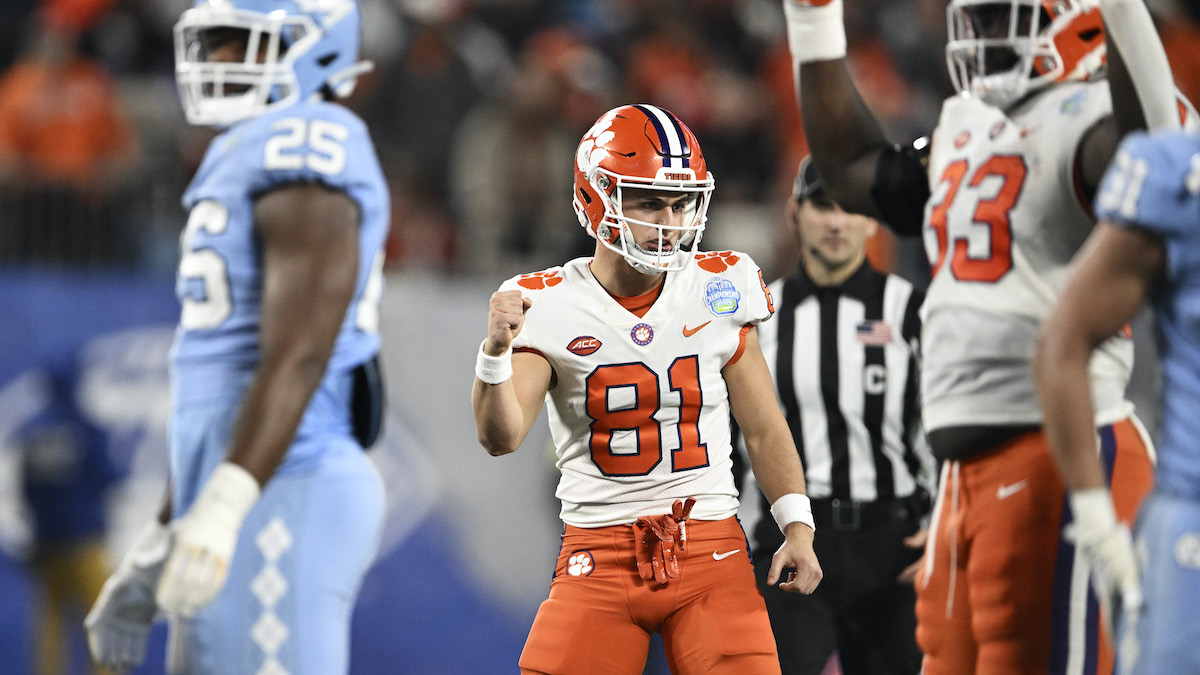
873 333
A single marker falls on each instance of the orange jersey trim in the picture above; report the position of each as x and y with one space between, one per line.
741 344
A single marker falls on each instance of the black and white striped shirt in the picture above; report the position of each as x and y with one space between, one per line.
852 398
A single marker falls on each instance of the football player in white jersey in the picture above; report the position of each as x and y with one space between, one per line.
642 352
1002 201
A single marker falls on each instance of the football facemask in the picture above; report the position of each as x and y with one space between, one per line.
647 148
236 59
1002 50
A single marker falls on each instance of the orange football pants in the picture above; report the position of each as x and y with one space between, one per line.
600 613
998 592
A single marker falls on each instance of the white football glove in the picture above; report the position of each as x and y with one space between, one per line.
205 538
118 623
1107 546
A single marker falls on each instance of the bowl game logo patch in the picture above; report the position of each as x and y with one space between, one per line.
721 296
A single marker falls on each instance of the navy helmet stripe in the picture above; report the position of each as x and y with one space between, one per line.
672 139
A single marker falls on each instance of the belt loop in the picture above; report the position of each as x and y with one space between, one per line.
847 515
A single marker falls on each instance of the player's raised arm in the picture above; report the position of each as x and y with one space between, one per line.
1140 84
845 137
509 388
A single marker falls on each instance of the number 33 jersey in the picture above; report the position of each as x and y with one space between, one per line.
220 279
638 407
1005 216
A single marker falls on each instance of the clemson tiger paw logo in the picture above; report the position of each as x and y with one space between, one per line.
580 564
717 261
540 280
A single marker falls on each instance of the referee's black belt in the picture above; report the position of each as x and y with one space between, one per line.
850 516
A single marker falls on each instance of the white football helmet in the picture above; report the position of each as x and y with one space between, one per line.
647 147
294 49
1001 50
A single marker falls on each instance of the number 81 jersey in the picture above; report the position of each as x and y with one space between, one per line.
638 407
219 283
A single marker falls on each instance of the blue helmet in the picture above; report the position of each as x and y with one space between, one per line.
235 59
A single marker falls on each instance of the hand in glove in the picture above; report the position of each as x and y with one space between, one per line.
1107 546
205 538
119 621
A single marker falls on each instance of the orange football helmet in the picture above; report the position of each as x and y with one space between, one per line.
647 147
1001 50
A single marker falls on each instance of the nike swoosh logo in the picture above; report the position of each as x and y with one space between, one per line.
689 332
1006 491
722 556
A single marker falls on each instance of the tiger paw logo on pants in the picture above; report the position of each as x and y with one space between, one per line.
580 564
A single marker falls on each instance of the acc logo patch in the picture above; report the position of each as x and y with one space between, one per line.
642 334
962 139
721 296
580 564
584 345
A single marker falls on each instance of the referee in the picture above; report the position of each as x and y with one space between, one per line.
842 351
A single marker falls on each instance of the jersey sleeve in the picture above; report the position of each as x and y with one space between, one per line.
760 305
1153 182
529 285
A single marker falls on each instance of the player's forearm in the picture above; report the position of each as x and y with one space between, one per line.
499 419
775 463
1061 371
271 411
845 137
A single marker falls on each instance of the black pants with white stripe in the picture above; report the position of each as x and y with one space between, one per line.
859 610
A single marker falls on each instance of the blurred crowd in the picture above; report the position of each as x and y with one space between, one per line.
476 107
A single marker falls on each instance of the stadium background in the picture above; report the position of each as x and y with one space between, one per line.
476 106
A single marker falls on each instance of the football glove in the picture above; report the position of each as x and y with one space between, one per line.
119 621
205 538
1107 546
655 540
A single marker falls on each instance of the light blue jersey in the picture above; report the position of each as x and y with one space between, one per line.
1154 184
220 272
309 539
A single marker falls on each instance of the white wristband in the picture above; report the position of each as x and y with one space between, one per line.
1093 512
793 508
815 33
226 498
493 369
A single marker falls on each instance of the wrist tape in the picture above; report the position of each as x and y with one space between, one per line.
793 508
815 32
493 369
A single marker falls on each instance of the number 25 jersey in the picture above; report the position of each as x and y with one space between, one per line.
638 407
220 279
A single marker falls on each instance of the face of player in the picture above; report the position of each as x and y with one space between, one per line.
657 208
228 45
833 241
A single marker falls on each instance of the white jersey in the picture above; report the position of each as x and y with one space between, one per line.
1002 224
639 411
